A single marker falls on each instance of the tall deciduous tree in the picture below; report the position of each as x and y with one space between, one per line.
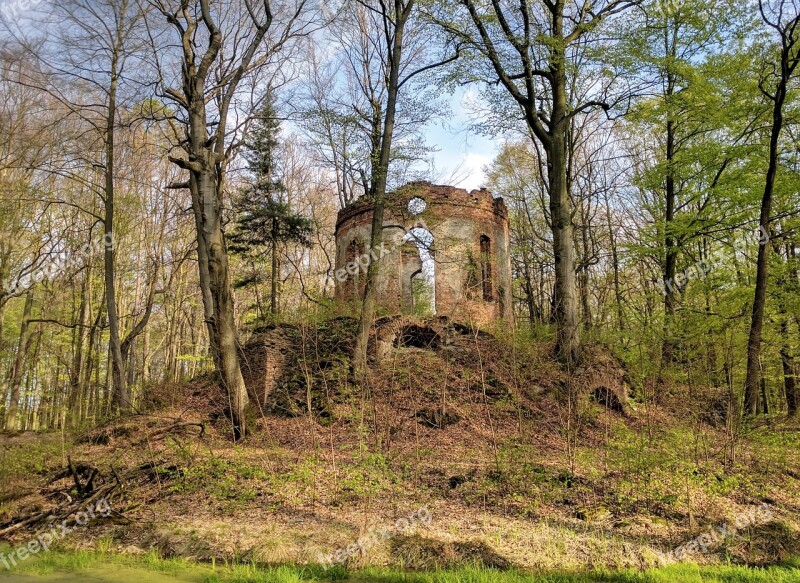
528 48
679 109
84 67
385 46
783 18
221 45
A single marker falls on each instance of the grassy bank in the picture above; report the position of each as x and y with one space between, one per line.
115 568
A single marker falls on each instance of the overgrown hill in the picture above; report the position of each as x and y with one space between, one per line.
517 462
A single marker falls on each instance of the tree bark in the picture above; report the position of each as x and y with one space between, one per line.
584 269
121 395
568 347
752 380
79 340
789 60
18 369
273 291
670 194
380 172
789 370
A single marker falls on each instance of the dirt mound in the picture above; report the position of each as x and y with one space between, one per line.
431 372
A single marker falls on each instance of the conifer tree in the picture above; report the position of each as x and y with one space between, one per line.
264 218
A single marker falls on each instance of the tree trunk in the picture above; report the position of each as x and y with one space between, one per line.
222 326
752 380
79 339
615 264
121 398
568 346
379 180
789 370
584 271
670 247
273 292
12 414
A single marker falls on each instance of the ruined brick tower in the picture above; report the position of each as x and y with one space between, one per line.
445 252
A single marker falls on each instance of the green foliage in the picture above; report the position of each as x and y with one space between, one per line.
231 482
264 215
32 457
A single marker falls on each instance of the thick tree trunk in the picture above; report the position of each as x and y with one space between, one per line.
222 324
18 369
568 345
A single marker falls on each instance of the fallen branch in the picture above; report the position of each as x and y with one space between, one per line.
173 428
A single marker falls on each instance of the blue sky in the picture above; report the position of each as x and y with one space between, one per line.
461 152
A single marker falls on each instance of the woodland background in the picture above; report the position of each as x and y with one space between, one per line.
680 121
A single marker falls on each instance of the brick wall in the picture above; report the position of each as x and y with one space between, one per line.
470 286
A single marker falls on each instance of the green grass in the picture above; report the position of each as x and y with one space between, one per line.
83 561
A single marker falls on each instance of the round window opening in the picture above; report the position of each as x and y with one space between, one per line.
417 205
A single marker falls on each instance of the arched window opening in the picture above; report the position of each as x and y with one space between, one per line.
486 268
423 282
422 292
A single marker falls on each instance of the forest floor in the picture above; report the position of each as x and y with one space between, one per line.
462 453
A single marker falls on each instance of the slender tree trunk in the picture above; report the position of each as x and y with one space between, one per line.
534 314
789 370
17 372
121 395
615 265
752 380
273 292
79 339
584 271
670 246
90 389
379 180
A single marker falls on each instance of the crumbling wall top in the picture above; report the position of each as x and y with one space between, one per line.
435 195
